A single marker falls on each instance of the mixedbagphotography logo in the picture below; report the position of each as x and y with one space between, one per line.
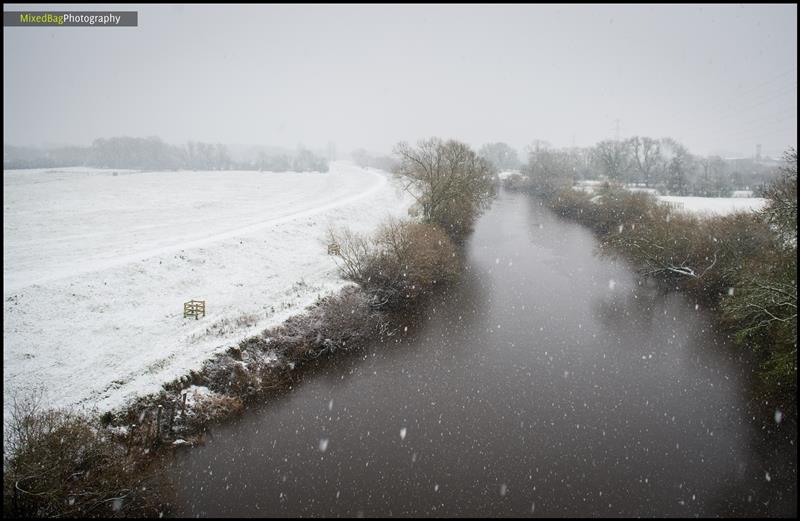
71 18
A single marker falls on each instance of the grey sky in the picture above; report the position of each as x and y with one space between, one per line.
718 78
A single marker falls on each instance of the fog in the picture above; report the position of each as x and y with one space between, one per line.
720 79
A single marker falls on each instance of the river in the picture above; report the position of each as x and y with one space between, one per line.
549 381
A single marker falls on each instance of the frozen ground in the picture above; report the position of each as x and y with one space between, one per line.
98 264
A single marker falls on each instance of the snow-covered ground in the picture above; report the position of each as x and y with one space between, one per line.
714 205
98 264
740 202
507 173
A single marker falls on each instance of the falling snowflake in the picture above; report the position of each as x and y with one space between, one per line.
323 444
403 433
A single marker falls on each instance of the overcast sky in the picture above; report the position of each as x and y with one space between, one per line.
718 78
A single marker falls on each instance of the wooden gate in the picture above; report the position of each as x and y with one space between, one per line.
194 308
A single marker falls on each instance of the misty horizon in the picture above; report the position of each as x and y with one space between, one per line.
721 79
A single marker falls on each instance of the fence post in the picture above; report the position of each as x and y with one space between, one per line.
158 423
171 417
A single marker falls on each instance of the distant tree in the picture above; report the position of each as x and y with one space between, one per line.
450 182
549 171
275 163
307 161
713 179
536 145
222 160
139 153
614 159
360 157
647 157
679 166
500 155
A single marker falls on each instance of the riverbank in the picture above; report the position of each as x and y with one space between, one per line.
398 270
736 265
547 379
98 267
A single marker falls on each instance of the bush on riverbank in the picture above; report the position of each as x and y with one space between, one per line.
763 310
743 265
61 464
401 263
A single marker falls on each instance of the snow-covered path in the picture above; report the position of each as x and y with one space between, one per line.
97 267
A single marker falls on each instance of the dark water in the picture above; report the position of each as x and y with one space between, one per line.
549 382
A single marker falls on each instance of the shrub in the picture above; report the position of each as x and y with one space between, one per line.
60 464
402 263
210 407
763 312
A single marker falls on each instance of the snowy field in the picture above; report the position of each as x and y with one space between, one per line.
740 202
98 264
713 205
507 173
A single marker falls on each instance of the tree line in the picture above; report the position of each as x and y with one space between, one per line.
664 165
152 153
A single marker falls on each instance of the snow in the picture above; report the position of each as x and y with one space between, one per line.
98 266
714 205
641 189
507 173
742 200
196 394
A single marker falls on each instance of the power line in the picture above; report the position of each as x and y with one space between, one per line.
740 94
761 101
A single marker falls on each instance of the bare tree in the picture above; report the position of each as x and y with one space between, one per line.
647 157
781 209
679 166
550 171
713 178
614 158
500 155
449 181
